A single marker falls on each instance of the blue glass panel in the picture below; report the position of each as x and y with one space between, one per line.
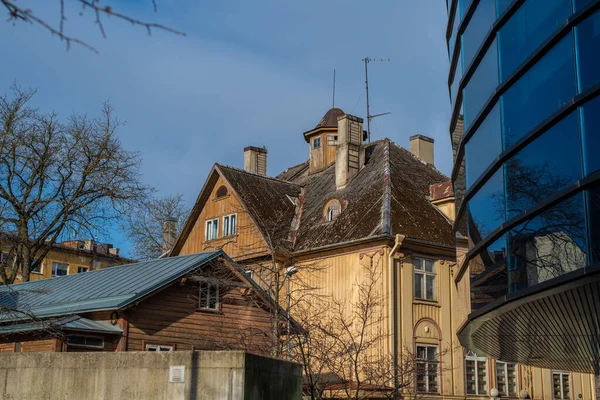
481 85
593 198
549 245
452 40
580 4
458 74
590 121
501 6
527 29
463 6
546 165
587 35
486 208
542 90
489 279
479 25
484 146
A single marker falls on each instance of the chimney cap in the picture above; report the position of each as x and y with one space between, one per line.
350 117
254 148
422 137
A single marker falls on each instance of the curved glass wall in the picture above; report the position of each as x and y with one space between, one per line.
530 155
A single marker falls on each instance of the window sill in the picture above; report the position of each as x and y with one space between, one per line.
36 272
433 303
216 240
209 311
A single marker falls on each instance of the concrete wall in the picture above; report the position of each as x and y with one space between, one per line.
208 375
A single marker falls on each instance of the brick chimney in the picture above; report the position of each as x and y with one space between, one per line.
255 160
349 154
169 234
422 147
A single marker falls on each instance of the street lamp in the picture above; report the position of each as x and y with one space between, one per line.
289 272
494 394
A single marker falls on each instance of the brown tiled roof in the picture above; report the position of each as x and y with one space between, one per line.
269 201
441 191
388 196
330 119
293 174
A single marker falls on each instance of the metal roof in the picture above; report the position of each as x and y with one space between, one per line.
105 289
70 323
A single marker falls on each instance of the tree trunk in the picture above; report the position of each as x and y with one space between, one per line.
26 254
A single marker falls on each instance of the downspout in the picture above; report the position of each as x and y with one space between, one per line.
393 273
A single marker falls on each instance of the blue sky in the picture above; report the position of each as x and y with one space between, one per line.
247 73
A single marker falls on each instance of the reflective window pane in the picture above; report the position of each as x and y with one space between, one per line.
479 25
481 85
549 245
463 6
484 146
590 121
546 165
458 74
452 39
580 4
587 35
486 208
489 280
502 5
527 29
542 90
593 199
419 286
430 287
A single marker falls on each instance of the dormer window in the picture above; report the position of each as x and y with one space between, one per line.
316 143
221 192
332 210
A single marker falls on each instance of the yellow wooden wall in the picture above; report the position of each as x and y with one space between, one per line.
246 243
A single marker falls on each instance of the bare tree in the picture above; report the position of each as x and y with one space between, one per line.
57 179
145 224
16 12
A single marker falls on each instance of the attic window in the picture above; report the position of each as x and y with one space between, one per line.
332 210
221 192
332 140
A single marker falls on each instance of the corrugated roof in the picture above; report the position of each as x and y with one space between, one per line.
104 289
70 322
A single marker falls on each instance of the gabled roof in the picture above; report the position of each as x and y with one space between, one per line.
105 289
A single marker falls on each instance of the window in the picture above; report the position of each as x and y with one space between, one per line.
316 143
590 121
158 347
543 89
427 369
229 225
332 140
476 374
506 379
82 269
425 288
488 137
59 269
478 27
85 341
333 210
209 296
560 385
249 274
486 207
221 192
482 84
212 229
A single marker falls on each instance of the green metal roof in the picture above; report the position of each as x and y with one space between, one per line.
105 289
69 323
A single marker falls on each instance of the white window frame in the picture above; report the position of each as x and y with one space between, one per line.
330 215
81 267
158 347
230 225
55 268
211 231
427 364
212 292
91 346
249 273
562 389
315 141
419 268
476 359
332 140
504 366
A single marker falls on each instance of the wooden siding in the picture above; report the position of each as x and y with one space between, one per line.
171 317
247 242
7 347
47 345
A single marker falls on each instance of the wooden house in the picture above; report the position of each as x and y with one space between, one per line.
201 301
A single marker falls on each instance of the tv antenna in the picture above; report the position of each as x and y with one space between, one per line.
333 102
367 60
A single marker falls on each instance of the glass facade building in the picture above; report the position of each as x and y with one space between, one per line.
524 84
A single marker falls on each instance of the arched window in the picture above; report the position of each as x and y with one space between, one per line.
332 210
221 192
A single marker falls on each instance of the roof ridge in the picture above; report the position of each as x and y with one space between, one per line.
430 166
387 191
254 174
